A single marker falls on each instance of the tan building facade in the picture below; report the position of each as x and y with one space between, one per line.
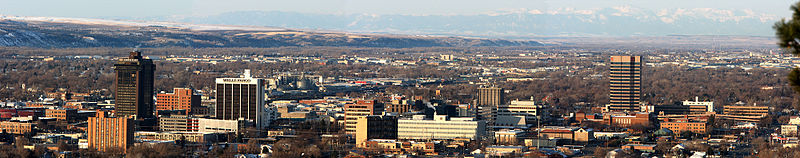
107 133
680 125
68 115
359 109
375 127
440 128
16 127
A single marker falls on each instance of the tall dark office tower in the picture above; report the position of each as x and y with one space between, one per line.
625 87
134 94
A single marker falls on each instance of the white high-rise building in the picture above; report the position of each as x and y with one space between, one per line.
243 98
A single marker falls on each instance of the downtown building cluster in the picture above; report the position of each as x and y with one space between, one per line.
255 110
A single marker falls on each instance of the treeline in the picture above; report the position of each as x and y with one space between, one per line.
86 75
589 85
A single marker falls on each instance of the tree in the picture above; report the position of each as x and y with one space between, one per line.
788 33
602 151
158 150
689 135
663 147
641 128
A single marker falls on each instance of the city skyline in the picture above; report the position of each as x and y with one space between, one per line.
360 79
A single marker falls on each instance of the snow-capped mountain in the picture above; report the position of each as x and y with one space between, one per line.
54 32
615 21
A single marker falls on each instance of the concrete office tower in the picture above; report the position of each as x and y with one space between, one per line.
110 134
134 93
625 87
242 98
360 109
490 96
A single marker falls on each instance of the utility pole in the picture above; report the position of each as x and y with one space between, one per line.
538 131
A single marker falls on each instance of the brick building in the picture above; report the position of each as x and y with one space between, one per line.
179 99
680 125
68 115
15 127
110 133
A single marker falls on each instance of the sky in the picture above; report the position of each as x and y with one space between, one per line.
153 8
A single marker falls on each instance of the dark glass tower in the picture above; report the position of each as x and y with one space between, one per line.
625 86
134 93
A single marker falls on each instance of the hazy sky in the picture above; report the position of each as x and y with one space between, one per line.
147 8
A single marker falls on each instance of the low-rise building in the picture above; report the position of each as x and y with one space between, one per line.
794 120
744 113
641 147
505 150
441 127
789 130
179 99
526 110
178 123
68 115
16 127
221 126
569 133
628 120
680 125
509 137
699 107
188 137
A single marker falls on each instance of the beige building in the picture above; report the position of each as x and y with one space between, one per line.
525 110
15 127
570 133
490 96
744 113
375 127
189 137
789 130
178 123
794 120
108 133
509 137
699 107
441 127
359 109
220 126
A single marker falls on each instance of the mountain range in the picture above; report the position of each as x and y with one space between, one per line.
53 32
515 23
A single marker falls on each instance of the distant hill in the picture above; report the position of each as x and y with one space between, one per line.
45 32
